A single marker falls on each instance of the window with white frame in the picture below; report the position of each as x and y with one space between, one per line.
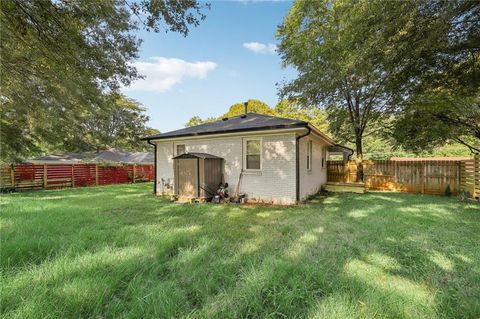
309 155
252 154
180 149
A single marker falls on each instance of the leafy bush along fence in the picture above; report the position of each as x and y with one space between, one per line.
428 177
37 176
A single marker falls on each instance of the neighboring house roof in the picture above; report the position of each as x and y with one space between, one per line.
197 155
241 123
110 155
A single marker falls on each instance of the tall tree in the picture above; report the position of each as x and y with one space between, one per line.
293 109
197 120
253 106
443 103
60 57
346 64
120 124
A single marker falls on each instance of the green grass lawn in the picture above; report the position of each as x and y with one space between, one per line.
117 251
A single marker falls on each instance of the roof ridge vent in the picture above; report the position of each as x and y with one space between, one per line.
225 119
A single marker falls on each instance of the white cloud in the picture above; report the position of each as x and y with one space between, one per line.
261 48
163 73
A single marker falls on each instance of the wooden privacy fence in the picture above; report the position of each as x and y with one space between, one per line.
428 177
37 176
470 176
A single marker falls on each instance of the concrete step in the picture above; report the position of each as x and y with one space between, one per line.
345 187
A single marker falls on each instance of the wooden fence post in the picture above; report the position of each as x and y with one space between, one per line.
73 176
476 176
424 179
45 175
96 174
12 175
133 174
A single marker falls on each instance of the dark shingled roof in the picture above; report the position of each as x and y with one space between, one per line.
248 122
197 155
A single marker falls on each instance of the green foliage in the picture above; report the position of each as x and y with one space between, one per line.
61 59
120 124
120 252
196 120
443 101
254 106
340 51
366 61
429 121
295 110
285 108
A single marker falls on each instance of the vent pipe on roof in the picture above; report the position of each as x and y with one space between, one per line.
244 115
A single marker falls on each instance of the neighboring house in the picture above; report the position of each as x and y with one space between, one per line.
110 155
281 160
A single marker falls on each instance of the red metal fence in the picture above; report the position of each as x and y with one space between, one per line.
37 176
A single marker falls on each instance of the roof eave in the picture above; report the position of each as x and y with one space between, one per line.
263 128
322 135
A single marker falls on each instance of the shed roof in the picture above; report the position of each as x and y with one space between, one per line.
244 122
197 155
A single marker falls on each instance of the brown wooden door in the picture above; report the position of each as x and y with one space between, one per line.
187 177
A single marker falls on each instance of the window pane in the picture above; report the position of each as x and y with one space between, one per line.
180 149
253 161
253 147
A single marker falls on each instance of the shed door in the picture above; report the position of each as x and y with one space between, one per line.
187 177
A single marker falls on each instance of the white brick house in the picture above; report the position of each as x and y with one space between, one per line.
281 160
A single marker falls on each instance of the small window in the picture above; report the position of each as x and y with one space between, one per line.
180 149
309 155
253 154
324 157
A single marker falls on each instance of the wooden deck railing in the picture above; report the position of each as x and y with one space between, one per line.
38 176
428 177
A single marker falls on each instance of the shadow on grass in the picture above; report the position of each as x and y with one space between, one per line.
124 253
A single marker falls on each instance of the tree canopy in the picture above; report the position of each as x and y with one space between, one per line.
340 50
443 103
366 62
285 108
62 59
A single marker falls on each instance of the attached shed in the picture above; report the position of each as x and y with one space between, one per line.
197 175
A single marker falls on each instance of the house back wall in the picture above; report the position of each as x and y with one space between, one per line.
274 183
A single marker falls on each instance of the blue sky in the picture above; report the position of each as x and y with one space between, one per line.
228 58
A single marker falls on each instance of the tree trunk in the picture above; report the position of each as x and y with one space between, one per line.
359 158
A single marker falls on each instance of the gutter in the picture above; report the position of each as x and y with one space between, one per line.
297 166
154 166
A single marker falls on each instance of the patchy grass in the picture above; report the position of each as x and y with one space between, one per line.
117 251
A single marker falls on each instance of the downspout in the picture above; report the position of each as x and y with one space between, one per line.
297 168
154 166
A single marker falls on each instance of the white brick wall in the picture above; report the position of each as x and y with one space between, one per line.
276 181
311 182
